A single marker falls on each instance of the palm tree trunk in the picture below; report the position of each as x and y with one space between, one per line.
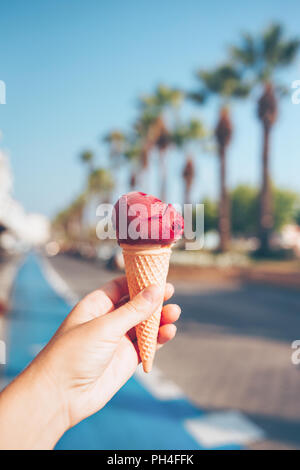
163 173
224 210
266 213
187 194
132 180
267 113
223 133
80 225
143 176
188 177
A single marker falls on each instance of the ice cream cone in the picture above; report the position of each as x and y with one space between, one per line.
146 265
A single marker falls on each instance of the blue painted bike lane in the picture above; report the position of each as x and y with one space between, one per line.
133 419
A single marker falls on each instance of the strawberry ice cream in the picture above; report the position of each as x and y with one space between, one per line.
143 219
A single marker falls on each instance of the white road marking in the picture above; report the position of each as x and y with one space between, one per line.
221 428
58 283
158 385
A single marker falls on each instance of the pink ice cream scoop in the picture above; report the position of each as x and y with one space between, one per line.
143 219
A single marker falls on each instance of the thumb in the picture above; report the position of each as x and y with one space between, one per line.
136 310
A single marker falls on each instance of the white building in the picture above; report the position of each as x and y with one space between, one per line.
22 230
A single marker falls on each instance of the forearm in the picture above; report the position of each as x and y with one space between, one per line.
32 415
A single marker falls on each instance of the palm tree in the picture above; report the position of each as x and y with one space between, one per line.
144 138
188 175
264 56
117 141
133 154
87 158
60 224
163 142
163 98
158 104
68 222
76 212
226 83
183 136
100 184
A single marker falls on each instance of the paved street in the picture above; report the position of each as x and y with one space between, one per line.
232 350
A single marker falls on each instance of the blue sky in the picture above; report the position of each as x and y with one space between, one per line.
73 70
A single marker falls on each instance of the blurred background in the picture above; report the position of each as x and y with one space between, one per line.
177 100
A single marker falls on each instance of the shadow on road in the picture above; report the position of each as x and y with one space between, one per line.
278 429
250 310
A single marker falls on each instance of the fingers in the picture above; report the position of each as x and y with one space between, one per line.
169 291
97 303
115 290
166 333
102 301
106 298
170 313
135 311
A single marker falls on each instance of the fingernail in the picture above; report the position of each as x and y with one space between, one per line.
178 309
170 286
152 293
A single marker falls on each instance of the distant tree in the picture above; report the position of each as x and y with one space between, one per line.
87 158
286 204
60 223
184 136
100 184
210 215
226 83
264 55
244 210
159 103
144 140
76 212
116 140
133 154
162 98
69 221
297 216
188 175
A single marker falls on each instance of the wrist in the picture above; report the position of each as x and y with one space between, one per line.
32 401
52 408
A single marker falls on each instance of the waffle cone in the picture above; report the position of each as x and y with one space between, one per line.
146 265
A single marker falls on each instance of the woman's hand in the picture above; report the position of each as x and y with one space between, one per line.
92 355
